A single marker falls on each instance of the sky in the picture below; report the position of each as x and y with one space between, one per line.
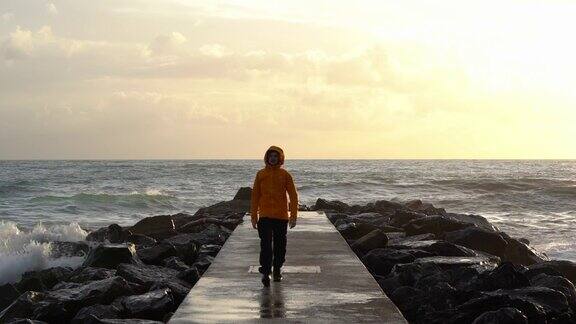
178 79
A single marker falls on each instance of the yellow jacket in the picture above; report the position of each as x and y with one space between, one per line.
269 191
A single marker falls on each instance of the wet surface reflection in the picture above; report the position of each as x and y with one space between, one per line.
272 302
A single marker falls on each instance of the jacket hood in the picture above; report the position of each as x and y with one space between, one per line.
280 154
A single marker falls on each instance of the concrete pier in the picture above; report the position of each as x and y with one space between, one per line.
323 282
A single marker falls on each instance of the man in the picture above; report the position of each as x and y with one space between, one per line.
269 212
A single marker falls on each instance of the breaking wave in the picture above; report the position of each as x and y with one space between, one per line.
22 251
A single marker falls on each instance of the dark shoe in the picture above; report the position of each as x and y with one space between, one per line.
266 280
277 275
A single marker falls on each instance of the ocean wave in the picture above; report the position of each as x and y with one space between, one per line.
11 187
150 198
502 185
22 251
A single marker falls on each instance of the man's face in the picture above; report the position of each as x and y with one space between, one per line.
273 158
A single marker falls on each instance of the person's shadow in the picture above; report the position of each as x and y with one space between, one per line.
272 302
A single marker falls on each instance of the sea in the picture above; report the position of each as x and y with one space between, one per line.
45 201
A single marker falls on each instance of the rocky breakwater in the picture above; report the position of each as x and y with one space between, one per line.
135 274
441 267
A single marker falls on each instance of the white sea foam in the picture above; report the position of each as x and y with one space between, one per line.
22 251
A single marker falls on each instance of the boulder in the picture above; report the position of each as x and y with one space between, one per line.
114 233
26 321
99 311
354 231
111 255
476 220
124 321
380 261
152 305
557 283
22 307
521 253
436 247
52 312
60 249
244 193
190 275
141 241
386 206
503 315
178 289
156 254
66 285
374 239
86 274
402 217
175 263
436 225
203 263
147 275
8 294
505 276
555 267
374 219
479 239
446 262
157 227
335 217
553 302
210 249
323 204
95 292
47 277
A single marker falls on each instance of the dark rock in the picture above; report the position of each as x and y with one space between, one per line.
141 241
479 239
374 239
323 204
402 217
381 261
518 252
125 321
156 254
335 217
157 227
476 220
505 315
244 193
22 307
203 263
47 277
210 249
111 255
555 267
557 283
406 240
31 284
60 249
8 294
152 305
436 225
95 292
26 321
505 276
551 301
238 206
190 275
374 219
86 274
114 233
66 285
147 275
99 311
386 206
175 263
52 312
436 247
354 231
178 289
447 262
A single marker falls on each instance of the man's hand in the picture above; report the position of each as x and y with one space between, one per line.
292 222
255 223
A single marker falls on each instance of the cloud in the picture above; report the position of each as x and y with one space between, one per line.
166 44
51 8
7 17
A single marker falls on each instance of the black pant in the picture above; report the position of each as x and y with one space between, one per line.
272 230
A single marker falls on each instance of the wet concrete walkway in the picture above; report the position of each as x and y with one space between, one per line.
323 281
